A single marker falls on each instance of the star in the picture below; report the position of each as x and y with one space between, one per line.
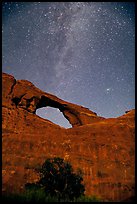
108 89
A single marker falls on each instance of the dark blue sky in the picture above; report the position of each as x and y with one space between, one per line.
83 52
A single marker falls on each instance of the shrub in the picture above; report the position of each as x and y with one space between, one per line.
58 179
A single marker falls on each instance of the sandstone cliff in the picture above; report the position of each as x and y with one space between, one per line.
102 148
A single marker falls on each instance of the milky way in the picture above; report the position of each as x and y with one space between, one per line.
82 52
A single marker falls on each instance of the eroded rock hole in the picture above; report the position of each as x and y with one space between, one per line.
54 115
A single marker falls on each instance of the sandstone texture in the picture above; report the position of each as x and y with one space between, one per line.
104 149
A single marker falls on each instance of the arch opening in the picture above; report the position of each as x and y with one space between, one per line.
54 115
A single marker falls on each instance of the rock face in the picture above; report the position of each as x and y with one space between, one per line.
102 148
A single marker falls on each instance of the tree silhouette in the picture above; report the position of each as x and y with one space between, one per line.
57 178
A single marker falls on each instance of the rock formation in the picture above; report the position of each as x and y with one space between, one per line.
102 148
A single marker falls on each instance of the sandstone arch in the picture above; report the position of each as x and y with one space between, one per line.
23 94
54 115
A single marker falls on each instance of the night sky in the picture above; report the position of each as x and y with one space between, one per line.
82 52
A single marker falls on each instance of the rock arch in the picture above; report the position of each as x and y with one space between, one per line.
23 94
66 111
54 115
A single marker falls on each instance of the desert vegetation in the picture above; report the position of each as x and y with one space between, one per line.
39 196
58 183
57 179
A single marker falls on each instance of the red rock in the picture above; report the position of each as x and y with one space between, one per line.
102 148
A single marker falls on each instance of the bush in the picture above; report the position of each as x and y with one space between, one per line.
58 179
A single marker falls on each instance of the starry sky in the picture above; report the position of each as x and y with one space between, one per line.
82 52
